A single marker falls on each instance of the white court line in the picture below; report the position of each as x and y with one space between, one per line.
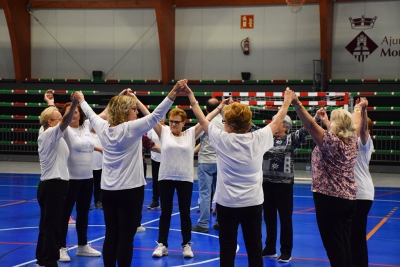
100 238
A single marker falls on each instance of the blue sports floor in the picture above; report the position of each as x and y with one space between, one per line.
20 218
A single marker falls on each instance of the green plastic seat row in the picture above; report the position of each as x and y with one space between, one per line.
96 80
42 91
364 80
30 104
375 93
247 81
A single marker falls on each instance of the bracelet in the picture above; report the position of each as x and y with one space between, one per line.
51 106
298 106
220 109
357 110
194 103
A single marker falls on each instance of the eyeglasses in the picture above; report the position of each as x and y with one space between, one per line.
174 122
223 121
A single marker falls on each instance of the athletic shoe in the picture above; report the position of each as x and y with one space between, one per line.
140 229
160 250
216 226
268 254
187 251
198 228
71 220
87 250
284 258
64 257
153 205
98 205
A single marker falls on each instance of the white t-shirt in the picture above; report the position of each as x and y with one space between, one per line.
154 137
81 147
97 156
122 147
239 165
53 154
365 186
177 155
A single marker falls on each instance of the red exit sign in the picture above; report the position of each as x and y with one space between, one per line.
246 21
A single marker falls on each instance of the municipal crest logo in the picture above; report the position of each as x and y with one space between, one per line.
361 46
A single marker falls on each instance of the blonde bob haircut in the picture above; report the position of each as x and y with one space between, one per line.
46 115
177 112
238 117
342 124
118 108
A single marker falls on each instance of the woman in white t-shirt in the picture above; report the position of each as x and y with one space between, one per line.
365 186
176 172
239 192
53 186
122 180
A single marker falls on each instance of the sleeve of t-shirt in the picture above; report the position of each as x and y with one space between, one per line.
368 145
267 138
213 135
49 138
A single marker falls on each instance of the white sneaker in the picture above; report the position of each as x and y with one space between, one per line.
187 251
64 257
160 250
140 229
87 250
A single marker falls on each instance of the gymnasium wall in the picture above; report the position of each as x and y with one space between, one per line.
124 44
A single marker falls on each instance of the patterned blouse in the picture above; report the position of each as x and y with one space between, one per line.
333 167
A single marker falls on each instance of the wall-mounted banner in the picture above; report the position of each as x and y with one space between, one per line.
246 21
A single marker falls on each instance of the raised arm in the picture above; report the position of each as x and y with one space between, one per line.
360 119
316 131
321 115
67 118
288 97
203 120
49 98
178 87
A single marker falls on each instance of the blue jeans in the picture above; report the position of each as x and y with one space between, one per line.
207 178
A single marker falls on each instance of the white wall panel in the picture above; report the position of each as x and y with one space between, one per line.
123 43
217 43
44 45
70 57
376 66
188 43
6 58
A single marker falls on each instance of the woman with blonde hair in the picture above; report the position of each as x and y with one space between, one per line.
239 193
53 186
333 184
122 180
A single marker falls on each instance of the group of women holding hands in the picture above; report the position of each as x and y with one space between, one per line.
64 149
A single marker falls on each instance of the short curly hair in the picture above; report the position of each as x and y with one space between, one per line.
81 114
342 124
46 115
118 108
177 112
238 116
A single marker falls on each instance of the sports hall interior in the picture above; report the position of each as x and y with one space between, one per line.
330 52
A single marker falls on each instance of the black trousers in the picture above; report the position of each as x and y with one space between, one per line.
334 217
79 192
278 197
184 191
250 219
155 167
51 196
122 215
359 249
97 183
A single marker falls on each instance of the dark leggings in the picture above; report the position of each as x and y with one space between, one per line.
79 192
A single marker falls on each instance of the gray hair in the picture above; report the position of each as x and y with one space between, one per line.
287 121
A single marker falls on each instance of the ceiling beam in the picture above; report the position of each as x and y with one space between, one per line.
19 28
326 38
222 3
93 4
165 15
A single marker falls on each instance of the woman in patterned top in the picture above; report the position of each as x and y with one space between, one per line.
333 184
